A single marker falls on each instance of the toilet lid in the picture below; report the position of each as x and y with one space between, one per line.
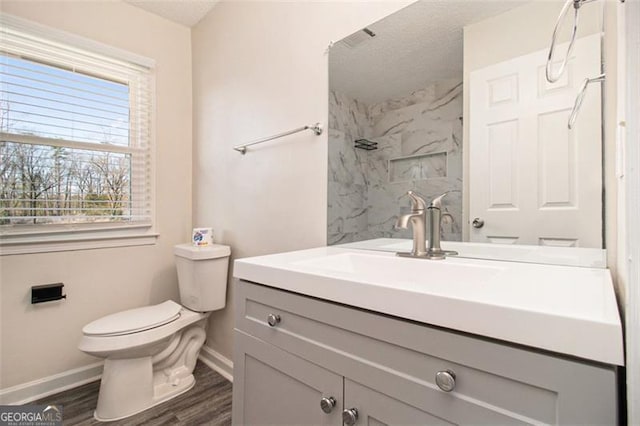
134 320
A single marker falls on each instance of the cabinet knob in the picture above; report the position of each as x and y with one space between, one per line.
446 380
327 404
350 416
273 320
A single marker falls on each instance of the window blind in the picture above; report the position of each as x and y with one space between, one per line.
75 134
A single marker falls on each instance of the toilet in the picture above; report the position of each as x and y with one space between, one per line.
150 352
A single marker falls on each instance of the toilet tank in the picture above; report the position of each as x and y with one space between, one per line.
202 276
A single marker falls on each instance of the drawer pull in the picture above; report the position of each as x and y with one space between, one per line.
350 416
327 404
446 380
273 320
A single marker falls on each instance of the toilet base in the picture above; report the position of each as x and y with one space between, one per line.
132 385
158 402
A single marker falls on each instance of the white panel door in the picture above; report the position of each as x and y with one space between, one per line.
532 180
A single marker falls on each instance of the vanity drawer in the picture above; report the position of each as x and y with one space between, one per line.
509 384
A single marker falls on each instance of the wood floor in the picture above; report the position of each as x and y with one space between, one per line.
208 403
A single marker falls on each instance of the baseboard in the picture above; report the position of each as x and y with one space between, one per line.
37 389
217 362
41 388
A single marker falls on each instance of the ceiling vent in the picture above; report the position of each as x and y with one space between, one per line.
359 37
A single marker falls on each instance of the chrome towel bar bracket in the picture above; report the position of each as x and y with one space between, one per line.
551 77
316 128
580 98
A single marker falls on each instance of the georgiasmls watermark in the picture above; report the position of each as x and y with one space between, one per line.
30 415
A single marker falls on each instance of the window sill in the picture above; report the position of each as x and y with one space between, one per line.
30 243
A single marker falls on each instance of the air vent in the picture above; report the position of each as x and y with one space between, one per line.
359 37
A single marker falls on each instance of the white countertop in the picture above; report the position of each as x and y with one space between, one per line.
568 310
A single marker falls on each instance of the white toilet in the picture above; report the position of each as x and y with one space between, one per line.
150 352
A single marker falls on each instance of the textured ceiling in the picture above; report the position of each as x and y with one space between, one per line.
415 46
185 12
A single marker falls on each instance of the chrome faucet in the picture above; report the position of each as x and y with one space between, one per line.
418 218
422 217
434 219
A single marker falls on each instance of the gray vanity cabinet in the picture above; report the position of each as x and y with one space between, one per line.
292 351
280 388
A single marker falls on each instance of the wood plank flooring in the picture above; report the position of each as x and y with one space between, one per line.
208 403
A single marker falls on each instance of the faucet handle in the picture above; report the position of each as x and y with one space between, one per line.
436 203
417 202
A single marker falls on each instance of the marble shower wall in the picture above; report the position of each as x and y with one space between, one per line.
347 219
419 136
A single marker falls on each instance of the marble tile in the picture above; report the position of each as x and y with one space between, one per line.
427 94
347 209
342 238
390 202
397 121
344 161
348 115
419 167
422 116
435 137
364 202
388 147
384 202
456 134
377 161
442 87
454 167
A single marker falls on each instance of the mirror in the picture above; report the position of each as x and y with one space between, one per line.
451 96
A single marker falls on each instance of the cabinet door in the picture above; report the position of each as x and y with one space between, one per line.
392 407
377 409
274 387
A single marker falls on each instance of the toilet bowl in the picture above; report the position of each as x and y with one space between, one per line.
150 352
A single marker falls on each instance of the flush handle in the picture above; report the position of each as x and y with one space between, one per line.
273 320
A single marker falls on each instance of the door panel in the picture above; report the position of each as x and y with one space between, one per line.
532 180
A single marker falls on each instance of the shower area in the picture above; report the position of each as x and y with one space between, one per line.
378 150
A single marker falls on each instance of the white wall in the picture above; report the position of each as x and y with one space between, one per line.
628 21
260 68
614 107
41 340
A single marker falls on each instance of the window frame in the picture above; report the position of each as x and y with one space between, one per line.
41 238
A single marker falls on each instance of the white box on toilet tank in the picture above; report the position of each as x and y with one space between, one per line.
202 276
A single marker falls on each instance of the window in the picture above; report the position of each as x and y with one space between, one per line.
75 136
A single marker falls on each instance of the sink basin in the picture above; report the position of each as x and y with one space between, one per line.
568 310
433 276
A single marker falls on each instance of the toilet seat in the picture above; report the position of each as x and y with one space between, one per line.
134 320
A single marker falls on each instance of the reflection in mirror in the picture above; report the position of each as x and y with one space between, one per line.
450 96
